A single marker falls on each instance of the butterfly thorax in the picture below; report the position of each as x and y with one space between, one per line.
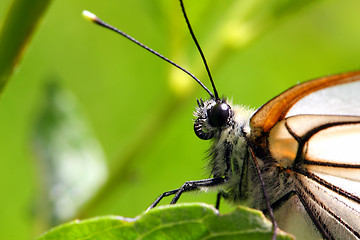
228 154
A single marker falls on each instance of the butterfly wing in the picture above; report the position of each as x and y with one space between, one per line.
311 135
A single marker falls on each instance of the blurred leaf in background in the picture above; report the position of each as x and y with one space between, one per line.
124 90
70 161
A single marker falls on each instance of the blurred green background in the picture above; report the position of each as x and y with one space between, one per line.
121 89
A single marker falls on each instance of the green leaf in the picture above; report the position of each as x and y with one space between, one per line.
182 221
15 31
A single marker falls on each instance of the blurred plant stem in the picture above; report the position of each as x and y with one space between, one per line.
240 26
20 23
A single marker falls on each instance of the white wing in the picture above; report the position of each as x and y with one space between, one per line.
312 133
322 154
341 99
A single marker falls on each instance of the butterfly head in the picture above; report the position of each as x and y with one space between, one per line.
212 116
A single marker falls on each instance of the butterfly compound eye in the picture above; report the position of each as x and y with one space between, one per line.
219 114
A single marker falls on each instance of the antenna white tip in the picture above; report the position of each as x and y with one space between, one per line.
89 16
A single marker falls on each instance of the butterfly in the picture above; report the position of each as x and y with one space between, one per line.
304 142
294 158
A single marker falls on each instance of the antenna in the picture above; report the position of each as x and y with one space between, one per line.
199 49
93 18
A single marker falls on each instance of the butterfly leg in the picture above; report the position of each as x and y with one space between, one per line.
218 199
271 214
219 196
188 187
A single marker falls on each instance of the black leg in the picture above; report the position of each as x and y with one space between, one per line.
271 214
165 194
218 199
188 187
